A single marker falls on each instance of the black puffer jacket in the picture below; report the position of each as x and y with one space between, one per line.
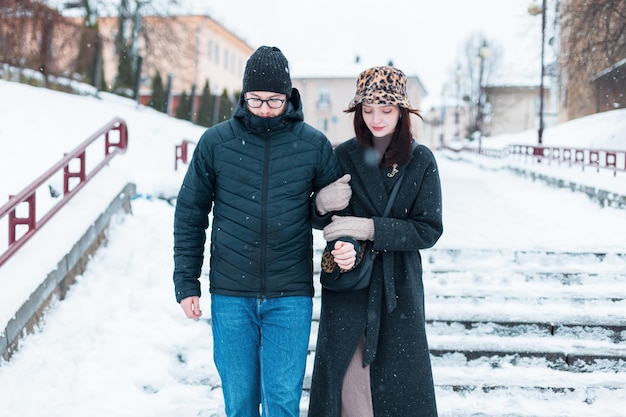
257 175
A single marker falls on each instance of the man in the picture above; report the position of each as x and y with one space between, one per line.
256 172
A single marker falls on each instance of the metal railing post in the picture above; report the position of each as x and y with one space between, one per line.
28 194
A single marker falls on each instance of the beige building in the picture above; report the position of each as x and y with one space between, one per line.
515 109
445 123
509 109
193 49
328 88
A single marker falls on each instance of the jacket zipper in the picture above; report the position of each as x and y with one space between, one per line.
264 203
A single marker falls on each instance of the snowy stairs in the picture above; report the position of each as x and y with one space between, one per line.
523 333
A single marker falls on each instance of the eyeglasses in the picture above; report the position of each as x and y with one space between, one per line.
272 103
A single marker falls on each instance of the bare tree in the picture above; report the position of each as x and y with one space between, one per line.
144 29
12 31
89 59
593 39
135 34
481 57
34 36
596 33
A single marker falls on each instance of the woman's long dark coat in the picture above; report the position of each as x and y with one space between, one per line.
391 311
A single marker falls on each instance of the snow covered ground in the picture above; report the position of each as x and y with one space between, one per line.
119 345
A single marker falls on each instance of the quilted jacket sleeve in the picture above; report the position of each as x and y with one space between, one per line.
193 206
328 172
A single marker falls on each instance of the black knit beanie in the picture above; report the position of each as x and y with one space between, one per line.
267 69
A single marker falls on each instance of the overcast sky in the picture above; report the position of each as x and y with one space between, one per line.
425 38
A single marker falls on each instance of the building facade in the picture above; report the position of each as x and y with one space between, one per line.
592 57
516 108
508 109
189 50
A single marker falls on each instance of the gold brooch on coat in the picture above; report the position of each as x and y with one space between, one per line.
394 171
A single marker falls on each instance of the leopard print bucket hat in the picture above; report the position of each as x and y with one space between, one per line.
381 85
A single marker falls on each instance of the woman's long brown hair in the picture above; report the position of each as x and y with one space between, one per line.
400 145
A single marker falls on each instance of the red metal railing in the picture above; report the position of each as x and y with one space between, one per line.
181 152
613 160
112 146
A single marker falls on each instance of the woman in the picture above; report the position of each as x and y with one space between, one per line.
372 356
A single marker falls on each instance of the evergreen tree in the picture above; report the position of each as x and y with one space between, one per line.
182 110
89 55
226 107
205 109
125 74
125 78
158 92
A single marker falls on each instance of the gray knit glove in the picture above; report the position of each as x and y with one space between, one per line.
360 228
335 196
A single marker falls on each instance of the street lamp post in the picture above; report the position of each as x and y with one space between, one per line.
457 108
534 10
483 54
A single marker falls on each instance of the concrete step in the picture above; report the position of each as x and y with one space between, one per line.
509 278
493 258
512 332
566 311
596 331
509 400
506 386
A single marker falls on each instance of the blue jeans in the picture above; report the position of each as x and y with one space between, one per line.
260 348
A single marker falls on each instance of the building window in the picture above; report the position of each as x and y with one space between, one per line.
323 101
322 124
240 67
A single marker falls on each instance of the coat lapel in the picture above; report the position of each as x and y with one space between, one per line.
371 182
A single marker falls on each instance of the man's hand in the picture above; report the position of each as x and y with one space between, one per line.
344 254
335 196
191 307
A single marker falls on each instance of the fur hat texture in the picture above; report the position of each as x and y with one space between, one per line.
381 85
